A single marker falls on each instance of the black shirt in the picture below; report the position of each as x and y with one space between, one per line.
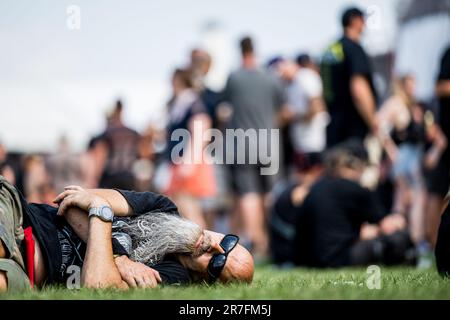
442 251
414 133
182 122
444 113
342 60
330 221
211 100
61 247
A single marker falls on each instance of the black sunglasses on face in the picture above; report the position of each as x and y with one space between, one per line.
217 262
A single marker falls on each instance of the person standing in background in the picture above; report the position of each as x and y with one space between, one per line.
304 60
121 144
348 86
255 98
404 132
190 182
308 116
200 65
439 178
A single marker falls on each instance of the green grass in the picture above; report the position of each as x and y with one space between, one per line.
272 283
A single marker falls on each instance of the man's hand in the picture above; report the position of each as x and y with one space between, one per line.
78 197
136 274
369 231
392 223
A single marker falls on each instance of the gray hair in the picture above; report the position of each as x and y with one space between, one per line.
155 235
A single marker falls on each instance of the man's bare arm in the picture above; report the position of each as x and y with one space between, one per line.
115 199
73 197
79 221
77 196
364 100
443 88
135 274
99 269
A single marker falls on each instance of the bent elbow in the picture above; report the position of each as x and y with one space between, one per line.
105 282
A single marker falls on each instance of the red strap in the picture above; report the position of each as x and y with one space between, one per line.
29 250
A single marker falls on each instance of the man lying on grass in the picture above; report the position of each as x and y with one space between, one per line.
195 253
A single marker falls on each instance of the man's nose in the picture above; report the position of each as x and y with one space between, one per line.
216 248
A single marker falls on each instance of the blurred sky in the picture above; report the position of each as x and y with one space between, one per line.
54 80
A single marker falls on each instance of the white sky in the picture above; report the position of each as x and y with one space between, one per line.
54 80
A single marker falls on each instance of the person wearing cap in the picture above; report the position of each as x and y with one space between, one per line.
349 90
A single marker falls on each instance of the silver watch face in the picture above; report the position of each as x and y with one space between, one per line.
107 213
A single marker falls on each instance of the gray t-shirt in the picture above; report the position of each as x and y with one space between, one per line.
255 96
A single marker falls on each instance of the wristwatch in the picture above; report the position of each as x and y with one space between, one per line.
105 213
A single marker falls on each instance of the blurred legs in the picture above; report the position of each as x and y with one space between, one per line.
252 212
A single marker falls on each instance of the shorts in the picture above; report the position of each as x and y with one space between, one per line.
17 278
408 164
11 235
200 183
438 179
247 178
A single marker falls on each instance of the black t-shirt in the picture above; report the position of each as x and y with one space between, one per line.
342 60
330 221
182 122
442 251
444 113
211 100
44 222
61 247
414 133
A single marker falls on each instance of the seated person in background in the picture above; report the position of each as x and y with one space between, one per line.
288 198
56 244
341 223
442 251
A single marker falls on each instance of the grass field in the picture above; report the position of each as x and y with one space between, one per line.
272 283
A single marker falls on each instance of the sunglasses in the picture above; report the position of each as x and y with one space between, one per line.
217 262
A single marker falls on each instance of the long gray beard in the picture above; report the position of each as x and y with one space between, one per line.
155 235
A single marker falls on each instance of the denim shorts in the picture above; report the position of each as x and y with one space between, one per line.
409 164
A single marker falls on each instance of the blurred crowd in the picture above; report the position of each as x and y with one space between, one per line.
361 180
